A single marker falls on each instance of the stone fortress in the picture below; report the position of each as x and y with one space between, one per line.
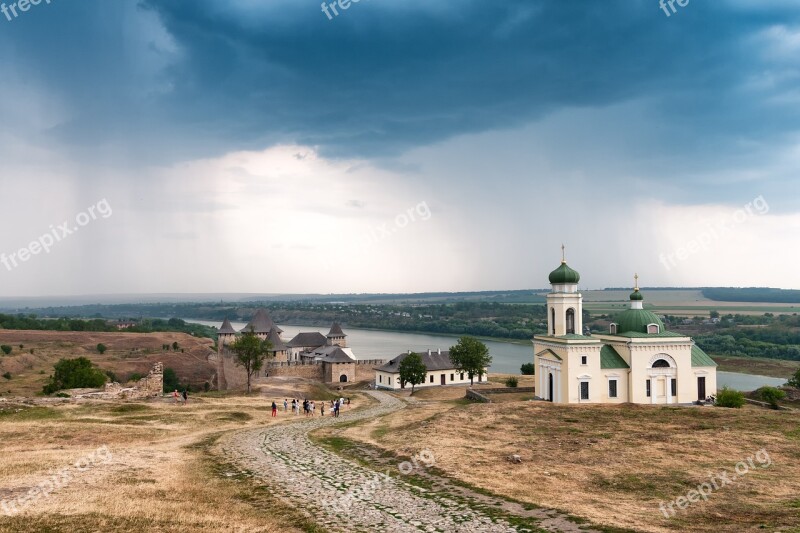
309 355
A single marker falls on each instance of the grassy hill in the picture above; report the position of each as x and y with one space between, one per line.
127 353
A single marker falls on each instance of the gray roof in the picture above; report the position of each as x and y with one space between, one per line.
261 323
312 339
432 361
226 327
338 356
336 331
274 337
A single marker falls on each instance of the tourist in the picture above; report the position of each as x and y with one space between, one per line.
294 405
313 408
322 409
336 408
285 405
348 403
175 395
185 396
274 410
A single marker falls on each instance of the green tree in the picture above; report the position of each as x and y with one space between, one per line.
730 398
795 381
250 352
102 348
771 395
412 370
512 382
6 349
471 356
171 381
527 369
75 374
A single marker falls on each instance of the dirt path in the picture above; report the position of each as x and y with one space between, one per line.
342 495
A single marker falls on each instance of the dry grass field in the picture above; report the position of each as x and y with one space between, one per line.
127 353
612 465
162 475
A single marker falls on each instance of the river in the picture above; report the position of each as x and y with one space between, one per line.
506 357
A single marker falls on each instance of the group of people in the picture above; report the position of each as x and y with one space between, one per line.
310 406
181 396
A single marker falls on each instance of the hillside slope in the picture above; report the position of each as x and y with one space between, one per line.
127 353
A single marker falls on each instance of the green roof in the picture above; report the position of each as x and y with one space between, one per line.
639 335
636 320
564 274
636 295
548 351
701 358
610 358
574 336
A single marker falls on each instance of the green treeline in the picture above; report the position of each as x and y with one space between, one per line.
147 325
752 294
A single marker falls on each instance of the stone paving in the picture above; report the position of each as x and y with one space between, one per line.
341 495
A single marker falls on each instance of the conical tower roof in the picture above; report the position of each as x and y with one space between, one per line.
336 331
226 327
274 338
261 323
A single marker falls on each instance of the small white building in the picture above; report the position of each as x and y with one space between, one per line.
440 371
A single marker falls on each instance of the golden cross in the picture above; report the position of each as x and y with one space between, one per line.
636 281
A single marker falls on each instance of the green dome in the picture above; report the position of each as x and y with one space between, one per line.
564 274
636 320
636 296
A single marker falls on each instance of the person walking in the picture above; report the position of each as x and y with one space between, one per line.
294 405
175 395
285 405
274 410
313 408
185 396
322 408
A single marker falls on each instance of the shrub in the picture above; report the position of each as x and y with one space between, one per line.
730 398
175 346
771 395
62 395
795 381
74 374
527 369
6 349
512 382
102 348
21 346
206 386
171 381
112 376
135 377
7 375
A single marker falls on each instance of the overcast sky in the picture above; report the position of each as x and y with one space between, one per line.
403 145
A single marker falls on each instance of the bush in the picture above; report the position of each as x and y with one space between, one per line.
730 398
171 381
135 377
771 395
795 381
6 349
527 369
111 376
75 374
7 375
512 382
62 395
102 348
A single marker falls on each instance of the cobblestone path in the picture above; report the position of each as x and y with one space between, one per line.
344 496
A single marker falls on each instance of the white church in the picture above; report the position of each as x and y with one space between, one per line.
637 361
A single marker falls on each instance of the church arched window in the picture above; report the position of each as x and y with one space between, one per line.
570 321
